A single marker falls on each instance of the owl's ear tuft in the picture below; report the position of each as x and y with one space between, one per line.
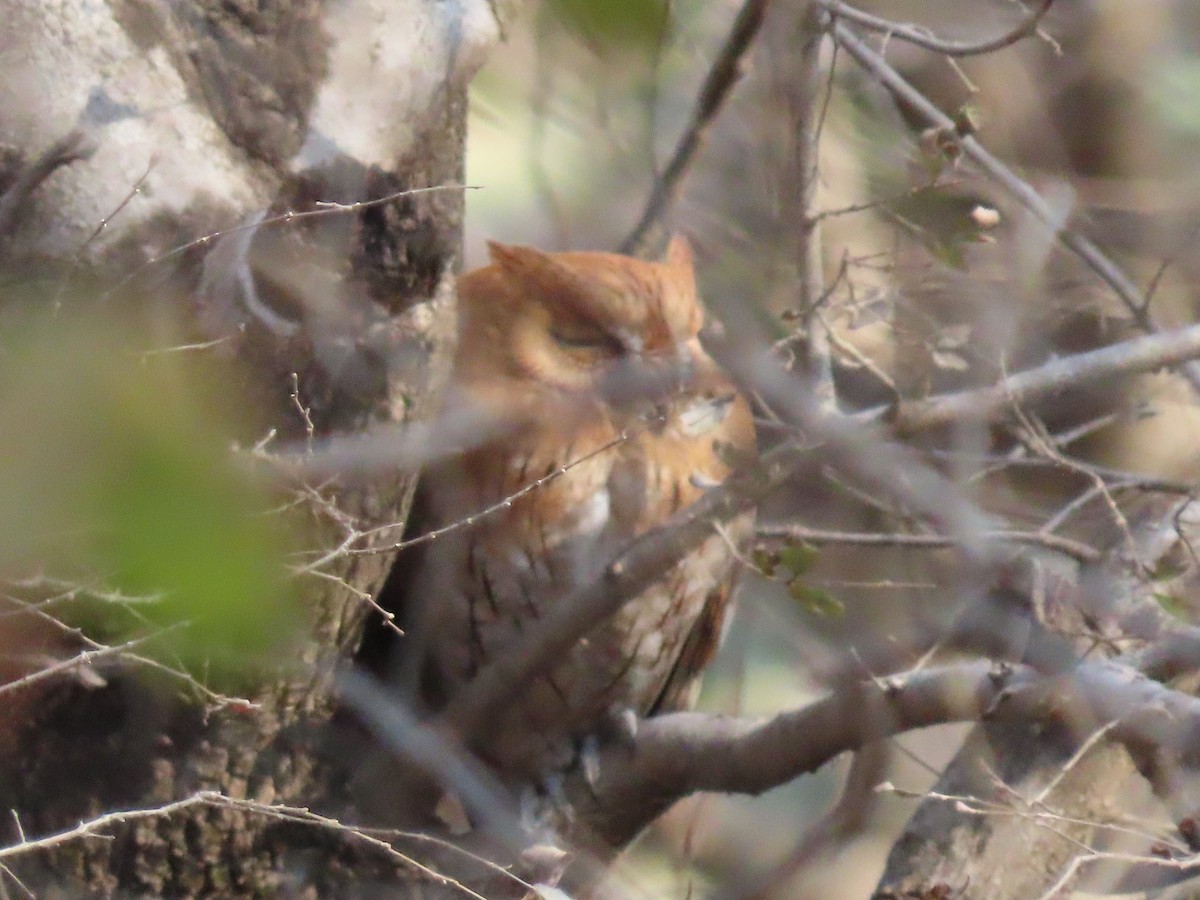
518 259
679 253
544 273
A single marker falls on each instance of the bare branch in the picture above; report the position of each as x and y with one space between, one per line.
97 827
321 208
82 660
675 755
94 828
850 447
1133 357
922 37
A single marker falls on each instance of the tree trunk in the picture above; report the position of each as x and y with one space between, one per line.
175 121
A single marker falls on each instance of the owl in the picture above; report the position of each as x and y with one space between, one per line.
581 374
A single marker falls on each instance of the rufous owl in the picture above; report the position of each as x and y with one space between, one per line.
546 341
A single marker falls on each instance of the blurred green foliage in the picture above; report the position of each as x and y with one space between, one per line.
1172 87
614 24
116 471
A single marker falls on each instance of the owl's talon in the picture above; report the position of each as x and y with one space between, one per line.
527 807
627 725
544 864
589 760
544 808
621 725
555 786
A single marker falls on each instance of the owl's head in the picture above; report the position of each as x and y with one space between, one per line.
568 321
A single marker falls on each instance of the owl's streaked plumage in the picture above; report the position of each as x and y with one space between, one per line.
546 344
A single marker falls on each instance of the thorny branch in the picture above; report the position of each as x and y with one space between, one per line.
678 754
93 651
956 522
379 841
1173 854
849 446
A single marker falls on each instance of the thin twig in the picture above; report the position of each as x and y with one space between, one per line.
77 258
722 76
503 503
1074 549
321 208
1080 752
848 349
184 348
1039 439
305 412
92 827
39 610
82 659
95 828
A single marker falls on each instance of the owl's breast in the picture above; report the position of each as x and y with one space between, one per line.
558 513
542 523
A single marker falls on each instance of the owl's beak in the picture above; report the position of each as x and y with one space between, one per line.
684 364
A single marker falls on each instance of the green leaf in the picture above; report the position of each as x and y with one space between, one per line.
815 600
798 558
1173 604
766 561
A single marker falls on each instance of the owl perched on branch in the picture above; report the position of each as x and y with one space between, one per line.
587 380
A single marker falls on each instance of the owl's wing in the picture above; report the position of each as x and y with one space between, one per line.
683 684
639 476
681 688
